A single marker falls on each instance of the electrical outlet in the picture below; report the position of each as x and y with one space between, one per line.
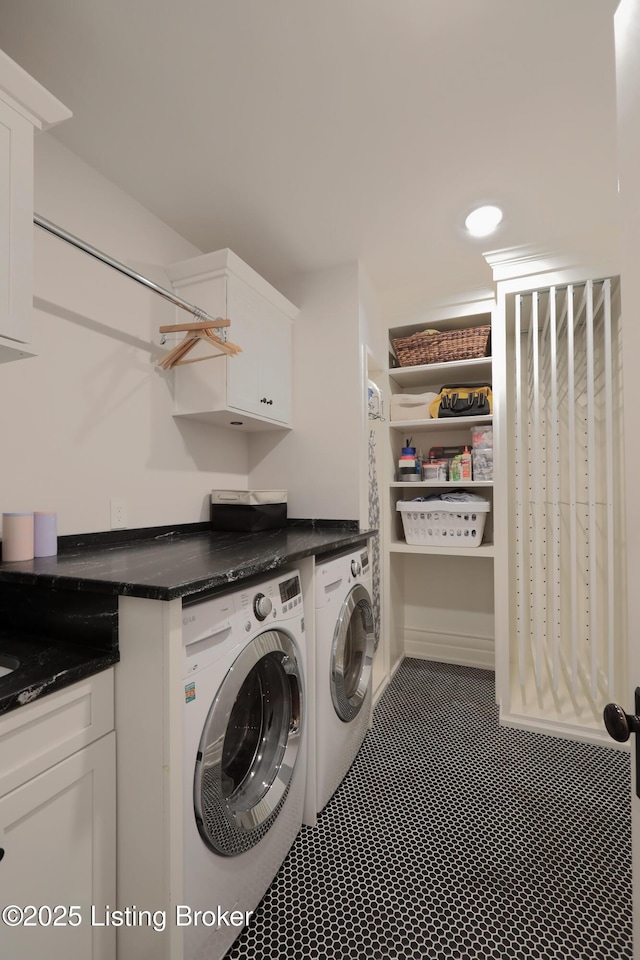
118 514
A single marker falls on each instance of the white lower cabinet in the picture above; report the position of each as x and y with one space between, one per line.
58 827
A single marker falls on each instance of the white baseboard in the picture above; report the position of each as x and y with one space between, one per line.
450 648
566 731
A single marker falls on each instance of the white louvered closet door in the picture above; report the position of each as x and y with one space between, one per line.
567 642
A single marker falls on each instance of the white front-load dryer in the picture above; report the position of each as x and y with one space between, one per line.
344 648
245 754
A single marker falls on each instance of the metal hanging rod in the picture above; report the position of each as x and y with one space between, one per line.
120 267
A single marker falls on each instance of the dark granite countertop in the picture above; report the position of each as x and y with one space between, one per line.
59 614
164 563
45 665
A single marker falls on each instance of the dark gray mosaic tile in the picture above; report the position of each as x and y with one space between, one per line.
452 837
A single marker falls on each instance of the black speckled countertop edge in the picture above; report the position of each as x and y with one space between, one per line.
166 563
59 614
45 665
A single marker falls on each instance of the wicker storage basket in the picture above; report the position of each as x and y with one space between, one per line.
465 344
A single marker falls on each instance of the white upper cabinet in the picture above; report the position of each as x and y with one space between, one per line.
24 107
251 391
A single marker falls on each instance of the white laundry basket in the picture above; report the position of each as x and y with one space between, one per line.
443 523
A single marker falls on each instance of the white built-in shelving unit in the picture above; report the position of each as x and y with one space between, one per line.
435 432
435 590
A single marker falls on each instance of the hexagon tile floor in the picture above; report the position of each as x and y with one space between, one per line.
452 837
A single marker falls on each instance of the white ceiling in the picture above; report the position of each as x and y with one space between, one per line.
306 133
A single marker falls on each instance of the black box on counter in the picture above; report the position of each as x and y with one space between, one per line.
248 511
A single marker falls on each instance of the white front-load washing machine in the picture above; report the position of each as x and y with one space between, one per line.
245 754
344 648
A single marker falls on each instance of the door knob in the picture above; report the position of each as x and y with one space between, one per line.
621 725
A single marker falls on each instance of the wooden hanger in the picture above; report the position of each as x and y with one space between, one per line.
195 331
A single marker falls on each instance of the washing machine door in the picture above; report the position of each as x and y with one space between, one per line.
352 654
249 745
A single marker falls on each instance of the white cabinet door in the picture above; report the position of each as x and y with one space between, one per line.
245 310
259 379
24 105
57 832
275 373
16 224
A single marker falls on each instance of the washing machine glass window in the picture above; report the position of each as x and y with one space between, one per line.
249 745
352 654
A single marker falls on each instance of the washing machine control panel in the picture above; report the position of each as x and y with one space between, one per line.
290 596
277 599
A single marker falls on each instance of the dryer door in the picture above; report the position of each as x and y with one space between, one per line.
352 654
249 745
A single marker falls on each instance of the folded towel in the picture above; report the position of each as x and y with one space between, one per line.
456 496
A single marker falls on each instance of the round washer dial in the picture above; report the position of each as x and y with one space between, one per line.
262 606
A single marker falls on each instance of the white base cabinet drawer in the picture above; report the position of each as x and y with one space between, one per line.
40 734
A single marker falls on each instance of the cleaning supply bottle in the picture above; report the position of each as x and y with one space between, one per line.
465 465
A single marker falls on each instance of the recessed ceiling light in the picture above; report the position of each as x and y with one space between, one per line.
483 221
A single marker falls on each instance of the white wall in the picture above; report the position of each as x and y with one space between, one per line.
89 418
373 328
318 462
448 609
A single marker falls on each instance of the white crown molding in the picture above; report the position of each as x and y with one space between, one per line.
528 260
28 97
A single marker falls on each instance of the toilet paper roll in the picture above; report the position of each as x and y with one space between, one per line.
45 533
17 536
